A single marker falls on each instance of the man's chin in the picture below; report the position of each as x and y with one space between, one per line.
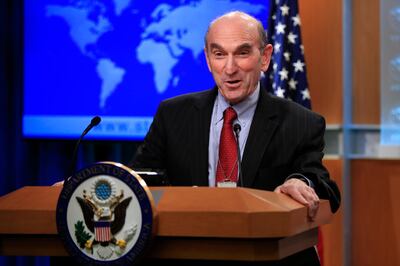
234 99
232 95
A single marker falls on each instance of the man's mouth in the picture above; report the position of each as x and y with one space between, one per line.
233 82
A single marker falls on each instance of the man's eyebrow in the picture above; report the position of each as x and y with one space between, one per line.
244 46
239 48
216 46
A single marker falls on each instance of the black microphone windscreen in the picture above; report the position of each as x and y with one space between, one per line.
95 120
237 128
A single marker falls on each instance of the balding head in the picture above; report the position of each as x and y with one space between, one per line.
236 54
239 17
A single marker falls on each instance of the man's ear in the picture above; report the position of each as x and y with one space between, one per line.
208 62
266 57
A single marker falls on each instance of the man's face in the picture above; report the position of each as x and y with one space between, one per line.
235 58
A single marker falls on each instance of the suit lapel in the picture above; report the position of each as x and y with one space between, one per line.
203 107
265 122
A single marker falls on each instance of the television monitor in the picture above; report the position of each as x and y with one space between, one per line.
117 59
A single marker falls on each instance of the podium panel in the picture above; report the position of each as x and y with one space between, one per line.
192 223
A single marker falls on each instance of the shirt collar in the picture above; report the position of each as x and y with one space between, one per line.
243 109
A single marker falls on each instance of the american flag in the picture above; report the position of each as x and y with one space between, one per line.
102 231
286 76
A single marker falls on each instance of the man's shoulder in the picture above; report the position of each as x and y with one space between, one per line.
292 108
194 98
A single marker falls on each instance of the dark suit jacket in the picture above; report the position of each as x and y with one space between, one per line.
284 138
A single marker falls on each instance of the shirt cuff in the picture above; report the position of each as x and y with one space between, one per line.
302 178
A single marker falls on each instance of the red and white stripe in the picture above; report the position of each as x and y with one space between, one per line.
102 231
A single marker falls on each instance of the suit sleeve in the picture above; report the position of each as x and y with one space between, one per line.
151 153
308 161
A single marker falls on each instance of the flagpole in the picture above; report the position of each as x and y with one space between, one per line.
347 122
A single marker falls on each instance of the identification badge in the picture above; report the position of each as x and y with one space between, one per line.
227 184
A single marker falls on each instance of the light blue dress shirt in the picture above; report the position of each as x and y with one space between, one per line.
245 111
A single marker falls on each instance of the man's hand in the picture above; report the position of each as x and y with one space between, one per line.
302 193
58 184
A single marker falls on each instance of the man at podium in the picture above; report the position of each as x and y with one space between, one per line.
236 134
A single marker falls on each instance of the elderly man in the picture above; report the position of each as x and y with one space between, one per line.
281 142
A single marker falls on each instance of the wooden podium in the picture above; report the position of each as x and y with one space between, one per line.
192 223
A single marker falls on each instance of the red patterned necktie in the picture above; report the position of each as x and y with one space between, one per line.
227 167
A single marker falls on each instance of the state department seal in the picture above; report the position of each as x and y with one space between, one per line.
105 215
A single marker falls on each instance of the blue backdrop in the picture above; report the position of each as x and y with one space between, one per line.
117 59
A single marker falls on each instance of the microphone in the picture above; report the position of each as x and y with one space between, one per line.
94 122
236 129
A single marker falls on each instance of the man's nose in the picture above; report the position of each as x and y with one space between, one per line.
231 65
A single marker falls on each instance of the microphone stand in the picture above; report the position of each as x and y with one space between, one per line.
237 129
94 122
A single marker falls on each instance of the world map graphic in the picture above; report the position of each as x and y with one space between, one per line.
162 39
